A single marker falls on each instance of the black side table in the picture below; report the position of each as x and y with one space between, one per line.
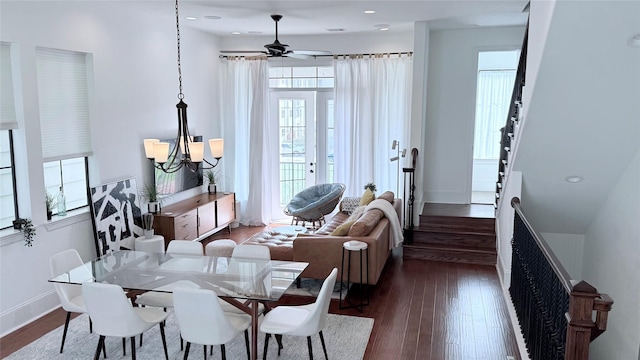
350 247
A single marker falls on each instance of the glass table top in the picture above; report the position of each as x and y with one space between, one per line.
228 277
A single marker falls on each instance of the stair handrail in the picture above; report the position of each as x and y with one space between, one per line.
583 301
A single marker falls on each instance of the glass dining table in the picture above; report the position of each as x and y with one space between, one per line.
242 282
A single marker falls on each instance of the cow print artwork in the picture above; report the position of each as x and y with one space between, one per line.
117 217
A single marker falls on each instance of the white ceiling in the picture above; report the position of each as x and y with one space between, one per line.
305 17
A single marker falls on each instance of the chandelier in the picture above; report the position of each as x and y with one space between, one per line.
185 151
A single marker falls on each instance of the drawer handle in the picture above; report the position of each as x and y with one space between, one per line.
185 225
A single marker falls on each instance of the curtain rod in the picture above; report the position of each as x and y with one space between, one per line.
409 53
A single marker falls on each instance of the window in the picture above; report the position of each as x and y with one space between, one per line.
64 119
69 174
287 77
8 200
8 194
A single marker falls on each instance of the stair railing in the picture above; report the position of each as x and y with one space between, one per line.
555 312
513 116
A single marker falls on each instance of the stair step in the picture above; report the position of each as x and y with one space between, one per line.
449 255
458 225
454 240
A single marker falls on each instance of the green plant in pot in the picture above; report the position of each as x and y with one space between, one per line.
370 186
212 179
27 228
152 197
50 203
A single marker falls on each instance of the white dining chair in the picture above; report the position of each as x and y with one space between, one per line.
113 315
70 295
221 247
165 299
209 325
248 251
302 320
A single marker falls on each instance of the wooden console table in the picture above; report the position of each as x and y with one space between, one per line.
195 217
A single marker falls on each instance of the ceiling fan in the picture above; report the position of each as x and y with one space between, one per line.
278 49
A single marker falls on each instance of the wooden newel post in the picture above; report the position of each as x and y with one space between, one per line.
580 323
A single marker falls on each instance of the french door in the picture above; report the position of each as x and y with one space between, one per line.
303 119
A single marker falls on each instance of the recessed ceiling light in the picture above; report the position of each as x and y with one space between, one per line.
212 17
573 179
634 40
235 33
384 29
191 18
369 11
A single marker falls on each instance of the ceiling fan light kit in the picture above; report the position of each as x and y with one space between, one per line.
278 49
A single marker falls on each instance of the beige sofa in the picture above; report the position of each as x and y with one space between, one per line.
323 251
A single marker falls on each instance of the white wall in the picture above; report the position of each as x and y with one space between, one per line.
134 97
611 264
450 111
568 248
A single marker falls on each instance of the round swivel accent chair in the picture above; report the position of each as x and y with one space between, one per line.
313 203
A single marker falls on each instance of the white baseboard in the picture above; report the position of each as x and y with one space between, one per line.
502 274
25 313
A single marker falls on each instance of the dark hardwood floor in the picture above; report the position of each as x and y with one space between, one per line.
422 310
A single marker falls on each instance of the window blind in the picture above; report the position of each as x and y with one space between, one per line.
7 103
64 105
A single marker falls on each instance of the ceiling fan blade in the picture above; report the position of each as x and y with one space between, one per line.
311 52
243 52
298 56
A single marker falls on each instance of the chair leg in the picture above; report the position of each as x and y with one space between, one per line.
211 350
279 340
205 351
124 347
133 348
104 349
310 348
96 356
140 339
224 352
186 350
90 326
164 341
266 346
246 342
181 343
324 348
64 333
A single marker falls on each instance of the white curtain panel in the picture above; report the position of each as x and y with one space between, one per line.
245 102
372 108
492 105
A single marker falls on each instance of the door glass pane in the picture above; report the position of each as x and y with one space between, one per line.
292 120
330 143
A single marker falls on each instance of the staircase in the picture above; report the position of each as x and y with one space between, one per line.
455 233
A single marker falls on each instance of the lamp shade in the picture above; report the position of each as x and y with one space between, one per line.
148 147
217 148
196 150
161 151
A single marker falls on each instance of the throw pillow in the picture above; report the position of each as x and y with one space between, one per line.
343 229
366 223
349 203
367 197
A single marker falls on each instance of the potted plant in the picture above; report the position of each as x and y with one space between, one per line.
27 228
50 203
371 186
147 225
212 179
150 194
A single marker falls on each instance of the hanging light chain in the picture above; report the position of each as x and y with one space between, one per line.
180 94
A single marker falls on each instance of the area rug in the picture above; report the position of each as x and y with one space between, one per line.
346 338
311 288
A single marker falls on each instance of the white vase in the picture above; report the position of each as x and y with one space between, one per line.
153 207
212 188
149 233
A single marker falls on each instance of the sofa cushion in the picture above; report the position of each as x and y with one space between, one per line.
366 223
367 197
387 195
343 229
335 221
